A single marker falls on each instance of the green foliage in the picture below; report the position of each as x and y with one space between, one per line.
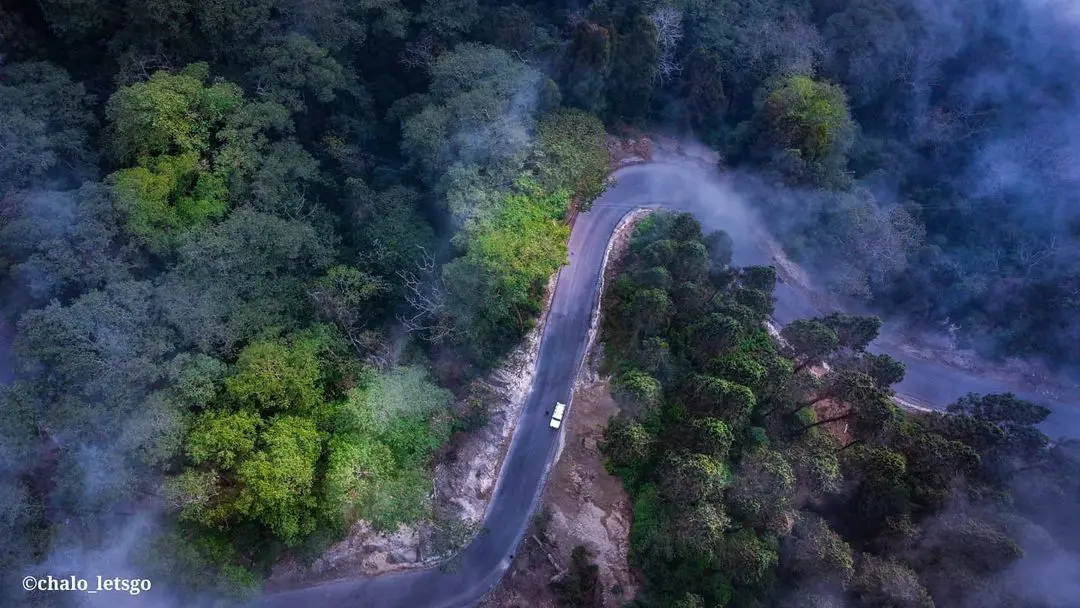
883 495
296 69
168 195
713 336
192 495
196 561
472 84
741 368
731 498
277 481
221 438
258 279
513 237
59 244
701 528
762 493
701 87
883 582
285 447
885 370
164 315
586 66
818 553
712 437
355 465
726 400
811 341
388 430
495 289
169 114
511 27
275 375
46 120
814 459
633 70
391 232
348 297
638 392
761 278
196 379
854 332
82 363
691 478
573 154
626 443
169 127
747 557
403 498
806 126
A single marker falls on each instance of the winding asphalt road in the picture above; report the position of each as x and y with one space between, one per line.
681 186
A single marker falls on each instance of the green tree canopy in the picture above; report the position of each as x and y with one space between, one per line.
278 375
168 127
169 114
278 480
805 123
46 122
763 491
222 438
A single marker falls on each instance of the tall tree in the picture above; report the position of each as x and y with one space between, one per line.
804 127
634 63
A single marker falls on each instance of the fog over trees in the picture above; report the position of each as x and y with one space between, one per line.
251 252
770 472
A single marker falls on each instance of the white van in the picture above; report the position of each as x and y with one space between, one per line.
557 415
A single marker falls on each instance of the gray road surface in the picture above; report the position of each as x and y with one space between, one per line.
482 564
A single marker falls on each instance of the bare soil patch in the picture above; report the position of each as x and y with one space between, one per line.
629 149
583 504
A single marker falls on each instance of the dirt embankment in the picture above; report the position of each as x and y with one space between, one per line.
466 475
583 504
630 149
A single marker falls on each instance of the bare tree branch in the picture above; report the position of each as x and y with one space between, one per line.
419 54
340 300
426 297
574 18
668 23
297 208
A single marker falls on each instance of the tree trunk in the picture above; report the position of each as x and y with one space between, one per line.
821 422
805 405
849 445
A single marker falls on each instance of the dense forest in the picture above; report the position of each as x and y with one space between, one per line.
778 472
249 248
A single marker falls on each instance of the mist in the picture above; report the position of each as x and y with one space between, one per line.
962 214
955 218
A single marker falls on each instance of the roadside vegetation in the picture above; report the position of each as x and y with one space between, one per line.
778 471
253 251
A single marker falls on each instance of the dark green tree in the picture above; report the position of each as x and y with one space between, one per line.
586 67
804 128
633 70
